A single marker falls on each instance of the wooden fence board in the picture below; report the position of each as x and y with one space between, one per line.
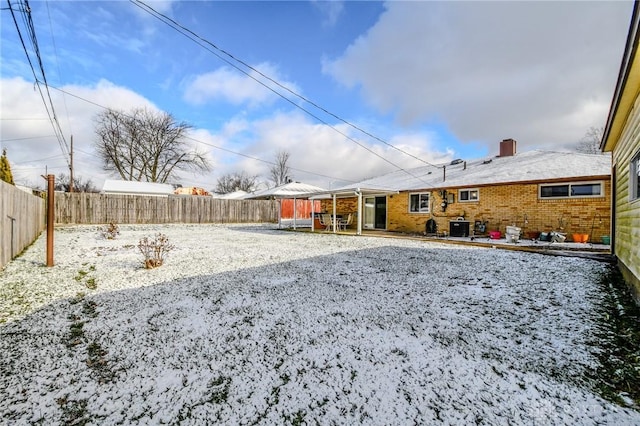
86 208
22 219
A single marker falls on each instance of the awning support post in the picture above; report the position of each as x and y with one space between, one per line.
359 229
313 216
295 213
335 228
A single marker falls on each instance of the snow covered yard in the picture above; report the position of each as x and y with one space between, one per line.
252 325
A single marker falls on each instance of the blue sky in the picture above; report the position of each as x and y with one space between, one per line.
439 80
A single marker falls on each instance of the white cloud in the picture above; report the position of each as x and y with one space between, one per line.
316 149
231 86
490 70
24 116
331 11
320 150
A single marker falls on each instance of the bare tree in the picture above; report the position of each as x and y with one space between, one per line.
590 143
236 182
280 172
62 184
145 145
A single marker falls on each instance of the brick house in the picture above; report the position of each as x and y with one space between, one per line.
621 137
539 191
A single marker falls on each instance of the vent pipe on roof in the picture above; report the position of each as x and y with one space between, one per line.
444 173
507 148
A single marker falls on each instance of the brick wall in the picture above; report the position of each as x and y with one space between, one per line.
505 205
499 206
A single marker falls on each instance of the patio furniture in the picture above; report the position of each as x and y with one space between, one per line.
344 223
326 221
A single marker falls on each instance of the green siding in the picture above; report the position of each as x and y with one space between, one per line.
627 232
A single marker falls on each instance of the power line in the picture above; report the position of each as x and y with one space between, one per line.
27 18
41 159
24 139
203 142
24 119
55 53
49 107
28 23
200 40
169 21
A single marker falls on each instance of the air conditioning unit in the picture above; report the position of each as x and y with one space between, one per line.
459 228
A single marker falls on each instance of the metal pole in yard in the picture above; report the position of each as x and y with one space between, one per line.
50 217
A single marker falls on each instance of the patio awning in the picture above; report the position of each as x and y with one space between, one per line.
349 192
288 190
291 190
352 191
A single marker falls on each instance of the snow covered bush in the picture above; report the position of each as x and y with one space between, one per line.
155 250
111 231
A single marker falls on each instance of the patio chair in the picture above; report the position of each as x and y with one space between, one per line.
344 223
325 220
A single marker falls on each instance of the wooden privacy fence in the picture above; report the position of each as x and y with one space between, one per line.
22 219
87 208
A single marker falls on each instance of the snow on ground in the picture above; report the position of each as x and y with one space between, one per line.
252 325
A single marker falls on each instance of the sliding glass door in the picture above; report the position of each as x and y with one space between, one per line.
375 213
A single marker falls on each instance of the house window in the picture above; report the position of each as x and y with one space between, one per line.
468 195
419 203
571 190
634 179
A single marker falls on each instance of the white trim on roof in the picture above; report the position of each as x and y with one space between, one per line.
350 192
127 187
532 166
235 195
288 190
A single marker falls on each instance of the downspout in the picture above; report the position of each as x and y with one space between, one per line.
359 228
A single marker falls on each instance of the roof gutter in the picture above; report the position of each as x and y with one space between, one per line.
623 76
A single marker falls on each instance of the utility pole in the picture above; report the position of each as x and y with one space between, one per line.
71 167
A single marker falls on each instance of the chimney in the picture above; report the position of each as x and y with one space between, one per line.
507 148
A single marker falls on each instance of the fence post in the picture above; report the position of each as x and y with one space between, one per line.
13 221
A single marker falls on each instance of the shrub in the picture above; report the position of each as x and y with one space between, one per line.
155 250
111 231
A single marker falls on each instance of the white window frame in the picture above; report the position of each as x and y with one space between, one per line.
569 185
469 199
634 177
420 195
